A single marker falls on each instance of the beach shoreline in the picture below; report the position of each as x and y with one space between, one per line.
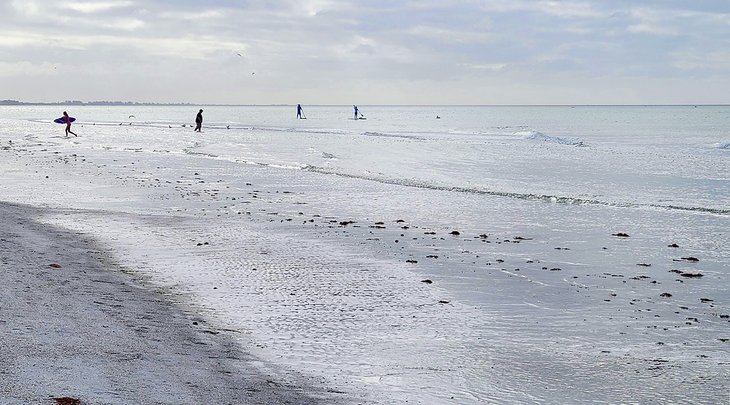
77 325
373 288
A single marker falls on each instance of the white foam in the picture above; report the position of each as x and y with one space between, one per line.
384 135
539 136
723 145
342 305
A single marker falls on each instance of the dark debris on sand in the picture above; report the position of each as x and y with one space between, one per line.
66 401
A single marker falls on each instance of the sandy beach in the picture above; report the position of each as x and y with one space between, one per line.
305 202
334 263
77 325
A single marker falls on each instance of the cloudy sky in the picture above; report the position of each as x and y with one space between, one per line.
367 52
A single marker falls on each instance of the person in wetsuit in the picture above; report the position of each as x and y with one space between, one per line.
67 120
199 121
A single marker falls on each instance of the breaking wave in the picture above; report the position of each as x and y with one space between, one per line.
284 129
539 136
384 135
521 196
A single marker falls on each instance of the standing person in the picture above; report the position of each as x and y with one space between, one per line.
67 120
199 121
355 107
299 111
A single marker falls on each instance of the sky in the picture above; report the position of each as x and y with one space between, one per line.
367 52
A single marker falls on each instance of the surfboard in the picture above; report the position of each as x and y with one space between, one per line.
62 120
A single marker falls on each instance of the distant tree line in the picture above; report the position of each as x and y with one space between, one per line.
77 102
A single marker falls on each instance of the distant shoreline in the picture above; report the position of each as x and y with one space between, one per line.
91 103
146 104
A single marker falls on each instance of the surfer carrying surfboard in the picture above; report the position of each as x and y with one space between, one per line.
67 120
199 121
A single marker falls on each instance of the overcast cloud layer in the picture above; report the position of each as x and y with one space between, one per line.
374 52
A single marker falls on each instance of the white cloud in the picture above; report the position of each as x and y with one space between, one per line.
25 7
89 7
693 60
329 41
113 23
193 15
652 21
486 66
670 21
564 9
14 39
451 35
314 7
176 47
24 68
655 29
569 9
124 24
198 47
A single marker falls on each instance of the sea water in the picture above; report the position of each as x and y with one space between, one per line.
424 254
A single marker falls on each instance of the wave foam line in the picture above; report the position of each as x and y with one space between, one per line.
402 136
539 136
521 196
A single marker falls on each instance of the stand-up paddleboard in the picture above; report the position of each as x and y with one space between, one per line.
355 119
62 120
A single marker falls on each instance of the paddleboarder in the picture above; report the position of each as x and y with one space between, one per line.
199 121
299 111
355 107
67 120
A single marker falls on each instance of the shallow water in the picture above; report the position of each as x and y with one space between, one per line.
533 301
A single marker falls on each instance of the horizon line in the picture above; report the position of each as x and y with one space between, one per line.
10 102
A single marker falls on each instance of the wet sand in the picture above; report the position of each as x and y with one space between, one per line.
532 302
76 325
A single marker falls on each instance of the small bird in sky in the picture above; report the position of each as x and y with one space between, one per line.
132 116
253 73
239 55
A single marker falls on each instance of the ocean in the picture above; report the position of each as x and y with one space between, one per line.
429 254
